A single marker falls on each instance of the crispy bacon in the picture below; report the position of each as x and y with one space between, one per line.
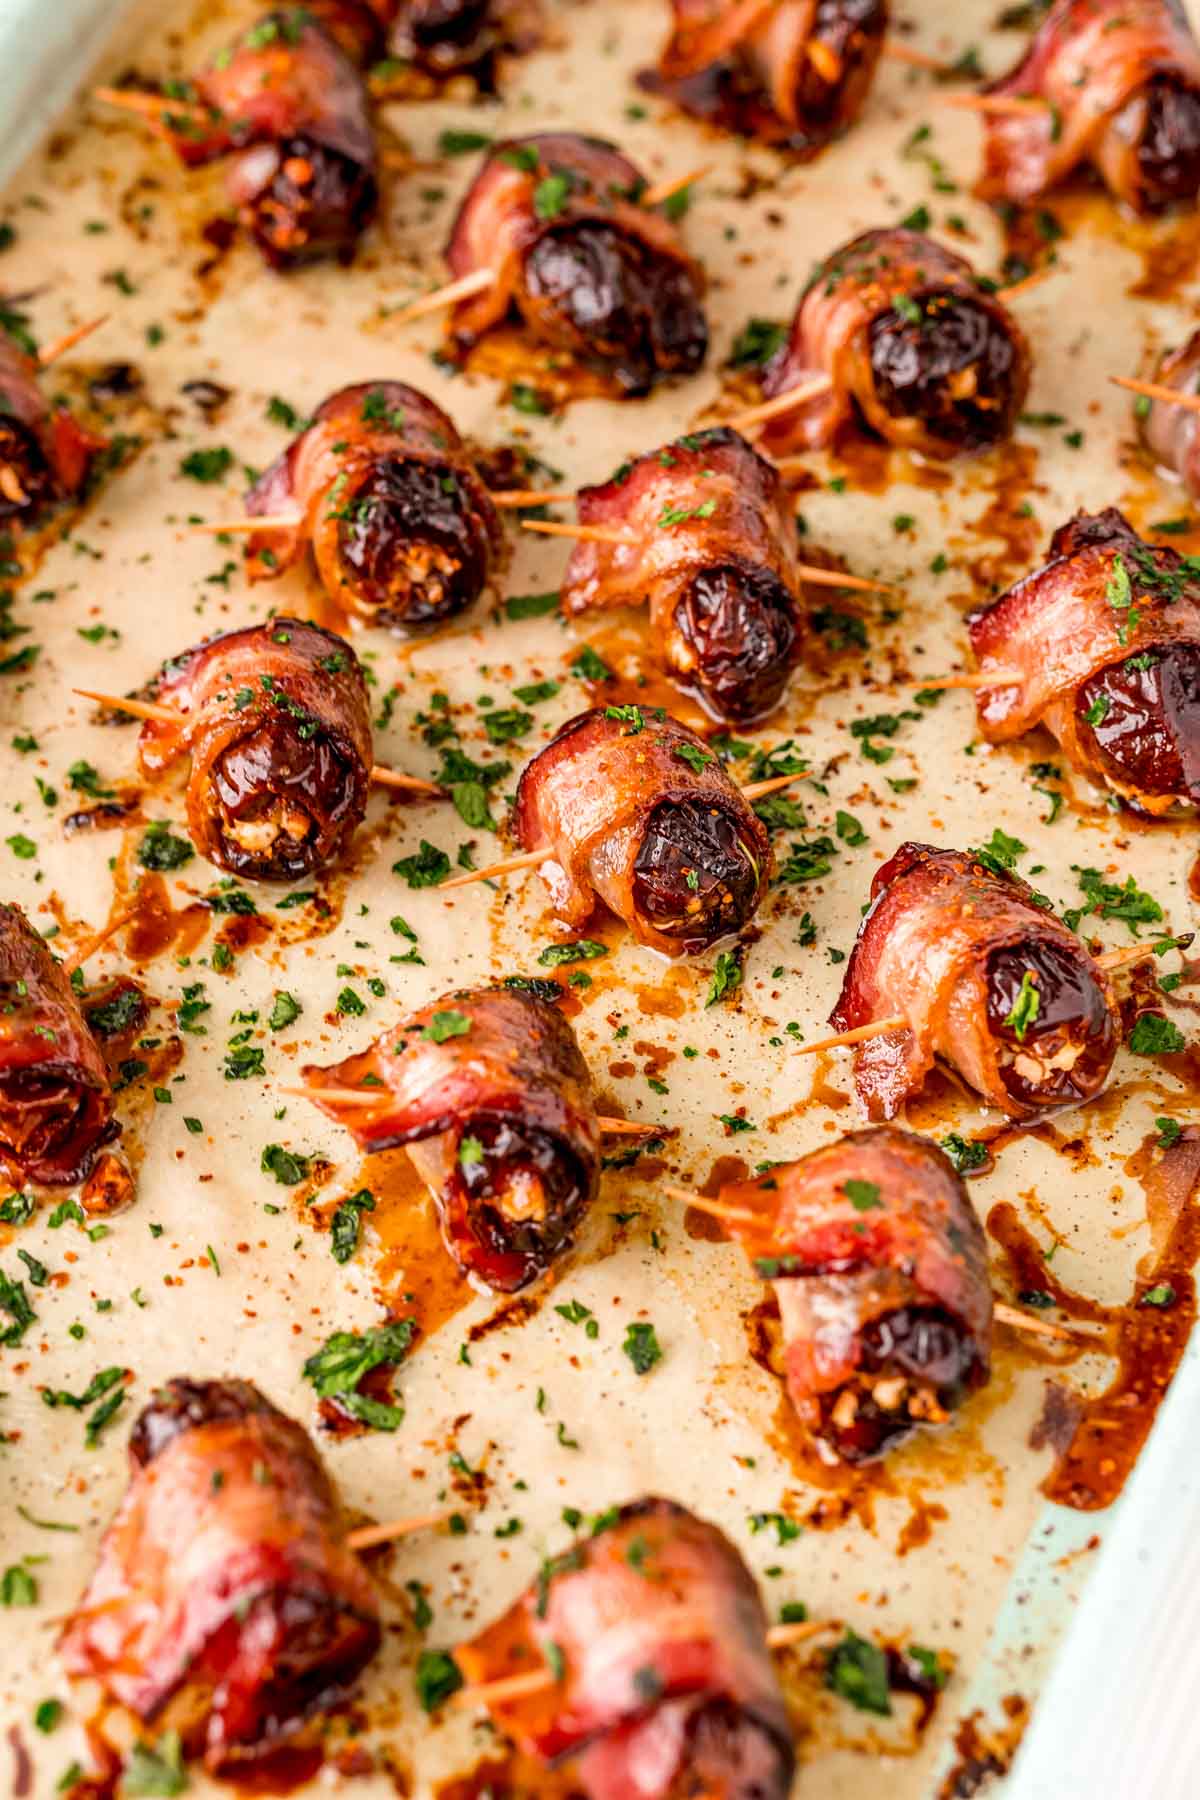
1121 84
401 527
291 104
56 1107
656 1629
276 722
880 1267
912 343
44 454
225 1604
492 1097
989 981
1106 638
795 73
715 557
1172 433
633 809
556 219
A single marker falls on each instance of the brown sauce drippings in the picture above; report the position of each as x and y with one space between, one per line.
415 1275
1098 1438
1007 516
984 1751
511 1777
157 925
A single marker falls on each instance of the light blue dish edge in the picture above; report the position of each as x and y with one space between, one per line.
1119 1716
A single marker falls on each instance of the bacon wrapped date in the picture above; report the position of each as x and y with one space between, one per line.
665 1684
491 1096
879 1264
555 218
1106 639
1121 84
225 1604
290 105
276 722
1172 433
401 527
450 37
44 454
633 809
715 558
794 73
56 1109
913 345
989 981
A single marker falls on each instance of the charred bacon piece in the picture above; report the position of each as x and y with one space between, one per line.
401 528
225 1604
1106 639
879 1264
290 105
989 981
666 1685
555 218
44 455
442 38
715 558
794 73
56 1107
491 1096
1172 433
1121 83
633 809
912 343
276 721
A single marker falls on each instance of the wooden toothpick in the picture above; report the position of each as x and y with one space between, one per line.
667 190
477 282
366 1537
88 948
586 534
356 1097
540 1681
168 715
1017 1317
1157 390
860 1034
249 524
997 678
51 352
1015 104
787 402
529 859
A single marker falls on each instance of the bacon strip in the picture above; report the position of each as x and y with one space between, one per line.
1172 433
708 506
1104 597
667 1684
492 1097
44 454
896 276
937 918
289 100
225 1603
1120 79
867 1241
401 527
276 721
792 72
531 190
591 799
56 1107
